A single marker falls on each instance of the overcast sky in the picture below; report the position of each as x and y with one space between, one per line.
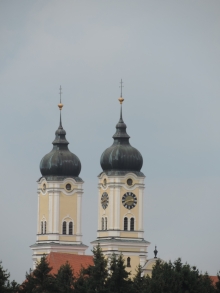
168 54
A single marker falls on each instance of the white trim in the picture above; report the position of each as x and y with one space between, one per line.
56 213
50 211
79 214
99 209
140 220
38 214
111 207
117 208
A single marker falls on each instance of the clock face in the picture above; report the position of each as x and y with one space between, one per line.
104 200
129 200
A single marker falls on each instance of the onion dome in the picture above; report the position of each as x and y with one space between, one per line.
121 157
60 162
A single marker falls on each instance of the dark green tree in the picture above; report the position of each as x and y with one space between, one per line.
5 285
64 279
118 281
39 280
81 284
179 278
95 276
140 282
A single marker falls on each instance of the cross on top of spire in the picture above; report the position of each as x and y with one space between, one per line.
60 93
121 86
60 105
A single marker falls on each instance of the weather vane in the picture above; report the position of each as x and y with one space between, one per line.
60 105
121 86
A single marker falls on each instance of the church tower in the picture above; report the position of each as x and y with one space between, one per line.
60 192
120 200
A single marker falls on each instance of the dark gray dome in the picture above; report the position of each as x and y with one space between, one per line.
60 162
121 156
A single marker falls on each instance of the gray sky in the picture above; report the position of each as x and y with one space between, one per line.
168 54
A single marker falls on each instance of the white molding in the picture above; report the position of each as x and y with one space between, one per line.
56 213
79 213
99 210
50 212
140 220
38 214
117 208
111 207
120 176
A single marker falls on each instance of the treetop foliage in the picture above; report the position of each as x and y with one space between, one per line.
112 276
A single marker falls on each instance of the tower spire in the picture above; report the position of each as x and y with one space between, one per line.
121 100
60 106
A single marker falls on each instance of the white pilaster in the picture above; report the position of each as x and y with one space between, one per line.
141 203
38 214
56 217
111 206
117 208
99 209
50 224
79 213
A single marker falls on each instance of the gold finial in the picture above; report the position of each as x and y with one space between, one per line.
60 105
121 100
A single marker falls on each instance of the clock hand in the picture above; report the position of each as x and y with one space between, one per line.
129 200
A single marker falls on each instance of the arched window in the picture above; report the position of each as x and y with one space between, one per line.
125 223
132 224
42 227
128 262
70 228
103 224
45 227
106 224
64 227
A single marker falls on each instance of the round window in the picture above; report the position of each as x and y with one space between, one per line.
129 181
68 187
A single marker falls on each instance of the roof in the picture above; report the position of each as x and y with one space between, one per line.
76 261
214 279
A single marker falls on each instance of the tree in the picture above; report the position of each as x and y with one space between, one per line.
64 279
140 282
118 281
40 280
95 276
5 285
81 283
179 278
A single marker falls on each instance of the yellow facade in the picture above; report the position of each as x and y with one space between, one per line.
59 218
114 237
